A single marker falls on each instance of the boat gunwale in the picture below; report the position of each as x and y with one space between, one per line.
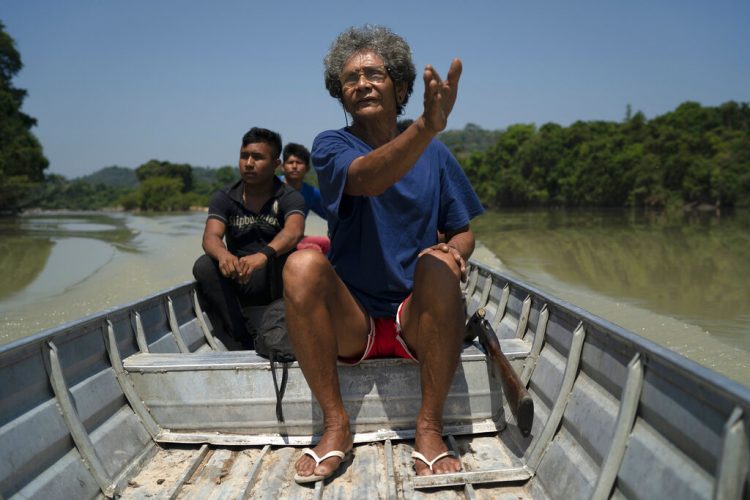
93 320
647 348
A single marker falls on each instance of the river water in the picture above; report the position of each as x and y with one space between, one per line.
56 268
681 281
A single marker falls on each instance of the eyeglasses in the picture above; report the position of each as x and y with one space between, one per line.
373 74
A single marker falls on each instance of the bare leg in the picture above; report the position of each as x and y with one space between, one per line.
324 322
433 322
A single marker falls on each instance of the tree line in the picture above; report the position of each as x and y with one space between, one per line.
691 156
154 186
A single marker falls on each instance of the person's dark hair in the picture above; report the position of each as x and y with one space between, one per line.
298 150
393 49
257 134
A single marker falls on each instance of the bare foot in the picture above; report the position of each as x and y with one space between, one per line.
429 442
335 437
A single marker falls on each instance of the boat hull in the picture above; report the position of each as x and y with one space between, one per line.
142 400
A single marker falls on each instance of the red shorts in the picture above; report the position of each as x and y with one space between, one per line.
321 243
384 340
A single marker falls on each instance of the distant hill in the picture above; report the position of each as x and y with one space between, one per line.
112 176
204 174
156 185
115 176
472 139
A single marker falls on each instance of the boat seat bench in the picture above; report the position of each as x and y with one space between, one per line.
229 398
222 360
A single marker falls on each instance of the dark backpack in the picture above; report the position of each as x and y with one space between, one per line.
268 328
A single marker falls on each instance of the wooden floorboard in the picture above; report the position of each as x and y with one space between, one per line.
207 472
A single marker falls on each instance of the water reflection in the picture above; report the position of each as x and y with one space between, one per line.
43 254
22 257
693 267
171 223
70 262
93 261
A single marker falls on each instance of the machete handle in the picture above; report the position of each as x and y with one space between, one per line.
519 400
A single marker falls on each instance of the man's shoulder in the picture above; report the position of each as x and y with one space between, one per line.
335 136
438 154
282 188
309 188
287 194
438 147
330 133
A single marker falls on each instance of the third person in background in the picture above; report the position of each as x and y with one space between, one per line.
296 165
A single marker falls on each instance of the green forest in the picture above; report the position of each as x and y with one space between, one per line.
154 186
691 157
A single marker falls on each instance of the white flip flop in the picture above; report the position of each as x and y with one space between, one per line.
430 463
318 477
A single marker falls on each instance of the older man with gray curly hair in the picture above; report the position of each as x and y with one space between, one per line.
388 287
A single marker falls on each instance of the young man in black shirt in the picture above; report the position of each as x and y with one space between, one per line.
252 225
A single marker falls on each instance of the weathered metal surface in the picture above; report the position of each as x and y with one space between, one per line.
81 438
523 320
615 415
734 459
212 341
45 420
126 386
232 393
174 327
623 426
139 334
501 307
536 346
534 454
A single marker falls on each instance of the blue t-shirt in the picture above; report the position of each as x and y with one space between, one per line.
375 240
311 194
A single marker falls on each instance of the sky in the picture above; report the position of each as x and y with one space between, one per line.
120 83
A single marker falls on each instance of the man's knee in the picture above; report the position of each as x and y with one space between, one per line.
305 273
205 269
438 265
304 264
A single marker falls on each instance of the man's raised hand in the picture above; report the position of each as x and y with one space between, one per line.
440 95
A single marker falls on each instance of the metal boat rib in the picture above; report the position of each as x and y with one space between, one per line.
142 400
